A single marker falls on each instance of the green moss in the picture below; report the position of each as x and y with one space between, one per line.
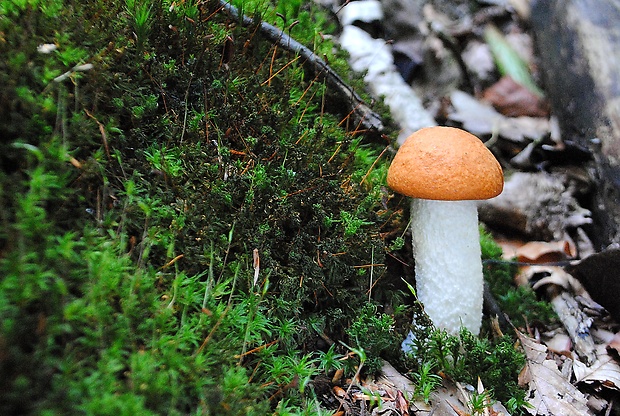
466 358
374 333
136 195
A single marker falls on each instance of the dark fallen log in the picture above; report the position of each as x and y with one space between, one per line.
364 119
578 42
599 275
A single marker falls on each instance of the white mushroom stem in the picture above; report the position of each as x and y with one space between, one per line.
448 265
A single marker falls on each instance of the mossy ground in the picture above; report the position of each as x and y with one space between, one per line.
187 226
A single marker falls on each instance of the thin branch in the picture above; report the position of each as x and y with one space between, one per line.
362 114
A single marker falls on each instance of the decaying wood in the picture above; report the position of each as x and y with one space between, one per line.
577 324
364 119
541 206
599 275
578 42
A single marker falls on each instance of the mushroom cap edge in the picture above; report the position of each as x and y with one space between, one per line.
445 163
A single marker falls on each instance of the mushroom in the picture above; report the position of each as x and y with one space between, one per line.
446 170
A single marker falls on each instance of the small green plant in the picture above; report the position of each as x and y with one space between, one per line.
329 360
479 402
141 13
375 333
517 405
168 161
426 380
397 244
466 357
288 9
350 223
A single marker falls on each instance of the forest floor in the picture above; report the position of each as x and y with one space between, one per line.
195 220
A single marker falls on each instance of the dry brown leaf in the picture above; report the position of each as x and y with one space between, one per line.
339 391
397 386
391 377
605 370
337 375
481 118
549 394
536 251
514 100
545 251
445 399
402 404
509 247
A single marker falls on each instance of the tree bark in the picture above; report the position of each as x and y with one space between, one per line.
578 42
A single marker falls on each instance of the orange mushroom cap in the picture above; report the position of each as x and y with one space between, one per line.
445 163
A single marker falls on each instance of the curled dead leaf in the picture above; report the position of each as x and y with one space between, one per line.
339 392
605 371
545 251
402 404
552 275
550 394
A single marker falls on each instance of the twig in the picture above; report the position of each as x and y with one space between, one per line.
575 321
362 114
